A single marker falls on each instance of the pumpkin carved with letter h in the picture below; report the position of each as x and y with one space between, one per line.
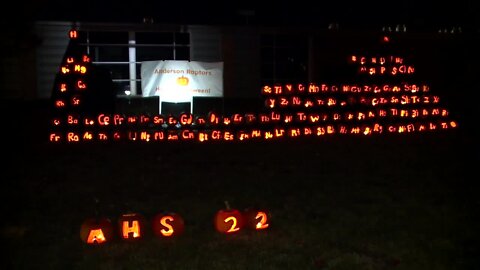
131 226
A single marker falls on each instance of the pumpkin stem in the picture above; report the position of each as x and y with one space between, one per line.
227 205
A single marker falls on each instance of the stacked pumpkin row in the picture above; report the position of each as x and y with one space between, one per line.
131 226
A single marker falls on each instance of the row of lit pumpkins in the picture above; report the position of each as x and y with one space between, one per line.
132 226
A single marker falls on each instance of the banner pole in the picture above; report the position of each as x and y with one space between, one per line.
191 105
159 105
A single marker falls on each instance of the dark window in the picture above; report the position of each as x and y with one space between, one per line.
284 59
182 53
108 37
154 53
138 70
109 53
117 71
182 38
121 87
267 40
153 38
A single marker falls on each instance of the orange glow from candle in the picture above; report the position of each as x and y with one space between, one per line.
96 237
169 228
233 227
262 224
131 229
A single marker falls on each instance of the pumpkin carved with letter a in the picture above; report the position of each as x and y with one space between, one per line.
95 231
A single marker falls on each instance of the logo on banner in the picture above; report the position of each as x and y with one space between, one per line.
179 81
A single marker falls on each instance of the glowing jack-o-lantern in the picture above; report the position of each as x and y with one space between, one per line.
96 231
131 226
228 220
168 225
256 219
182 80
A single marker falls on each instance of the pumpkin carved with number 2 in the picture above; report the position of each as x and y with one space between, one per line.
256 219
228 220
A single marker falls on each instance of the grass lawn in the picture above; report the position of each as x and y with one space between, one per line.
384 202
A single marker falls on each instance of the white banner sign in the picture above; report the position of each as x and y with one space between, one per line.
179 81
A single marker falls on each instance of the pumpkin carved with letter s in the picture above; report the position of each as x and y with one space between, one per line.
168 225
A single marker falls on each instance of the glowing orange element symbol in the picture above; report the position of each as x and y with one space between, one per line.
73 34
75 101
81 84
226 121
262 224
203 136
186 119
86 59
81 69
65 70
182 80
59 104
63 87
266 89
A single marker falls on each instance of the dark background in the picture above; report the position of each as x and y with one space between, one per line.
355 13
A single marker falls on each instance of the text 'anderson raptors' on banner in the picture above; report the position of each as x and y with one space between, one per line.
179 81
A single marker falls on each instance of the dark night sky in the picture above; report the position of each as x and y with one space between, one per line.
359 13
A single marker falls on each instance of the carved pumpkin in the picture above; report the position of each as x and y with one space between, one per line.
131 226
96 231
256 219
182 80
228 220
168 225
